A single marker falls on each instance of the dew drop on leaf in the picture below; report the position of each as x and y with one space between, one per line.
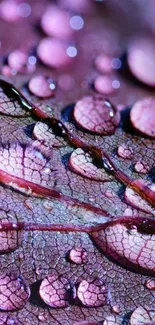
54 291
141 167
92 293
142 315
14 292
142 116
82 163
97 115
150 284
78 255
125 151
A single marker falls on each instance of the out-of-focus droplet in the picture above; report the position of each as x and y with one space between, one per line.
92 293
78 255
56 22
76 22
125 151
140 57
116 63
24 10
103 63
9 10
41 86
142 116
72 51
19 61
106 85
96 114
53 53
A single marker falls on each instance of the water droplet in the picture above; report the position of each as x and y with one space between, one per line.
9 10
82 163
42 317
140 57
77 22
14 292
125 151
54 291
116 309
92 293
142 116
56 22
19 62
78 255
106 85
96 114
116 240
142 315
150 284
41 86
103 63
58 49
141 167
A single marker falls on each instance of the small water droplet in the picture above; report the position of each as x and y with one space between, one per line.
104 85
78 255
18 61
42 317
72 51
103 63
116 309
125 151
141 167
150 284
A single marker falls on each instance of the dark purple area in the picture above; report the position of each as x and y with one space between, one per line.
80 204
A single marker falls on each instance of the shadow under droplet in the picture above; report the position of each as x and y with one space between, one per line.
67 113
35 298
28 130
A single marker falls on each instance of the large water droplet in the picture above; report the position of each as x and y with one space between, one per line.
78 255
14 292
140 57
55 291
130 242
96 114
53 53
135 200
142 116
92 293
103 63
106 85
142 315
42 87
56 22
82 163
